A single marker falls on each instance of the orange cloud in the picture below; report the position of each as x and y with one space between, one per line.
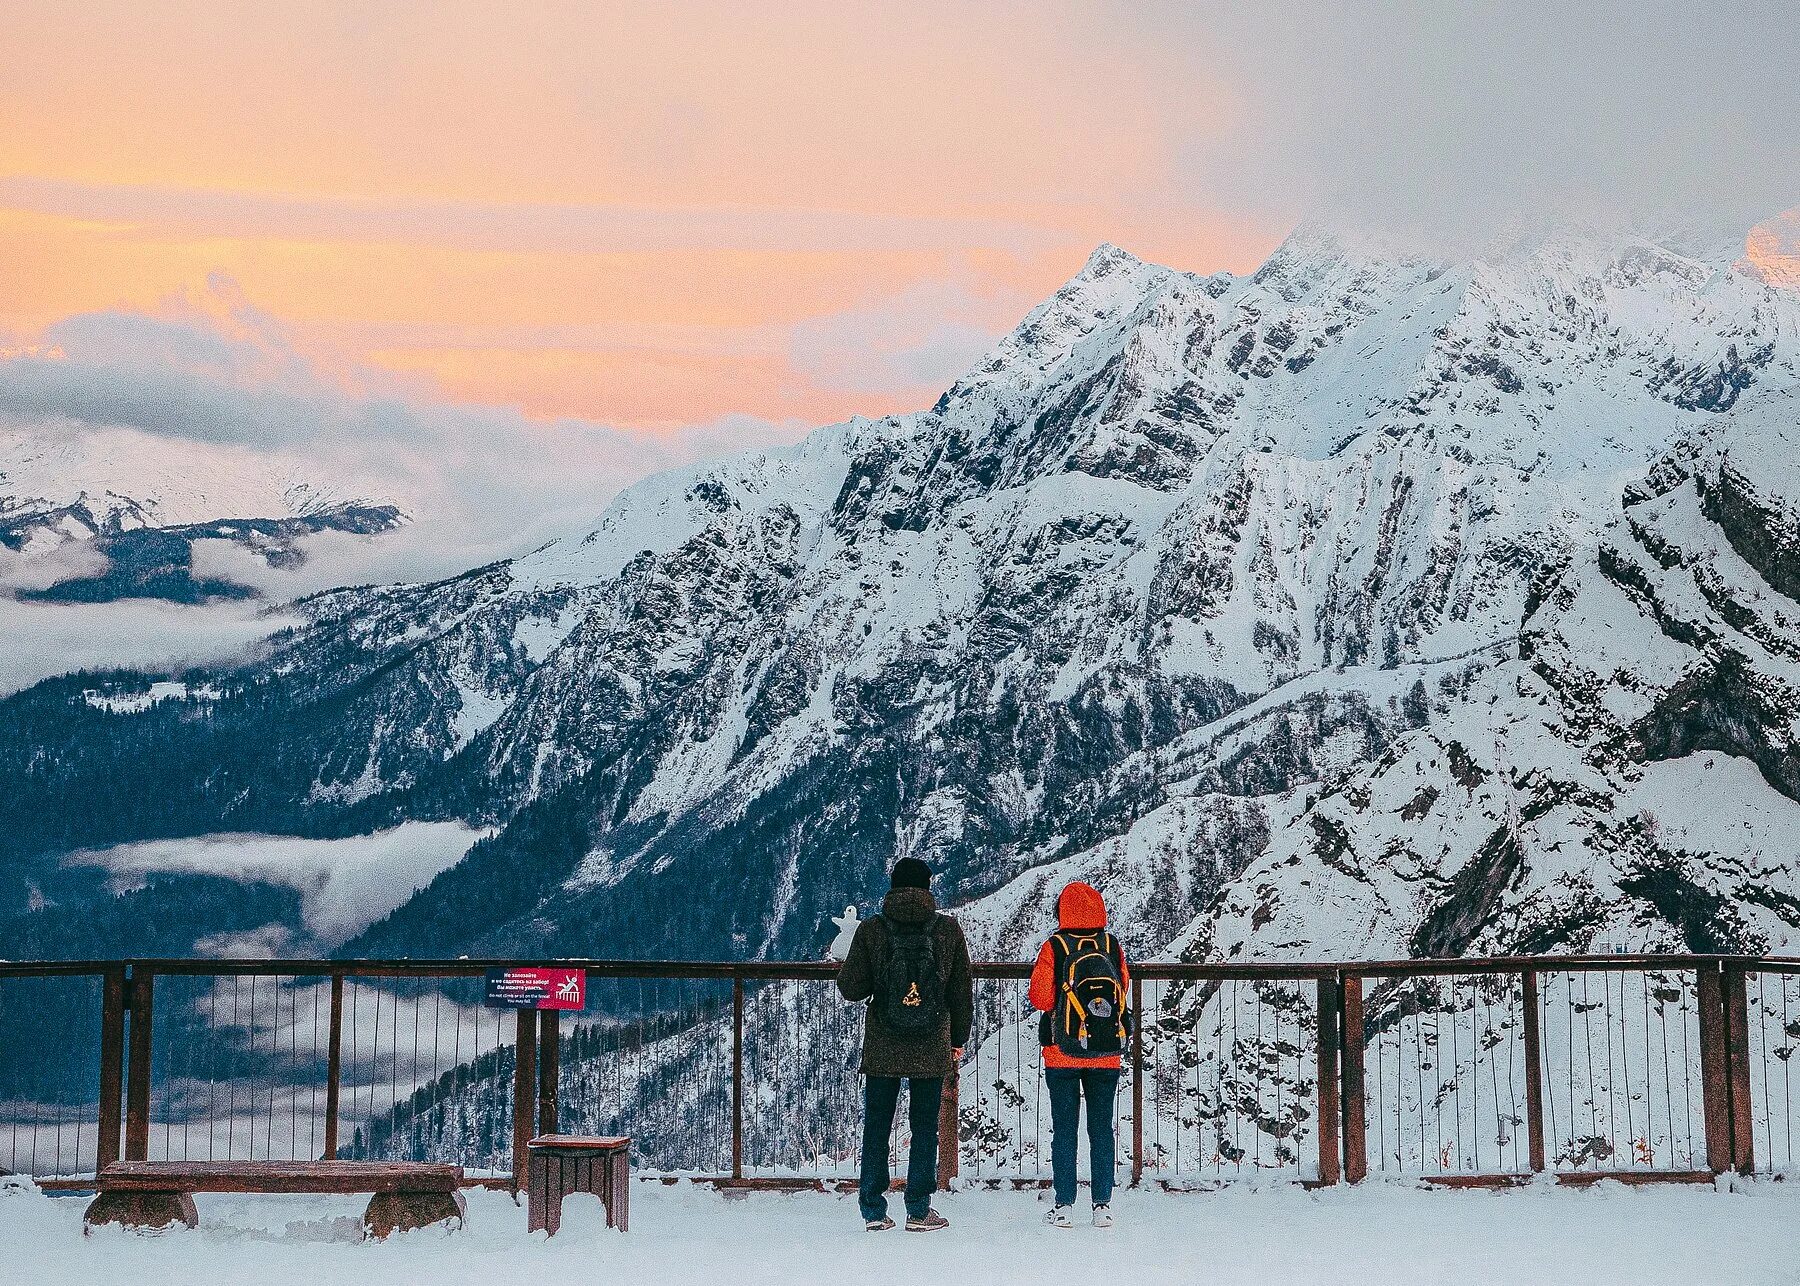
586 210
653 390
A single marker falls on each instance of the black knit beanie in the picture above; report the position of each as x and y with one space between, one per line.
910 873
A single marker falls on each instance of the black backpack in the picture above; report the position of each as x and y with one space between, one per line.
910 999
1088 1018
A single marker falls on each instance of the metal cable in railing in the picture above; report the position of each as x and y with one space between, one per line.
1466 1071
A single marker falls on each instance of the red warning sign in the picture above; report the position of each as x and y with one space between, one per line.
537 988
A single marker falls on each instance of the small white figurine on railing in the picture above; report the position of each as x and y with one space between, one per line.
847 926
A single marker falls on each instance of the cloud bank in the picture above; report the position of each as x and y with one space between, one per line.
215 397
41 640
345 885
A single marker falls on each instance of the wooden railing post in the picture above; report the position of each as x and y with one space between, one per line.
1137 1081
737 1075
1356 1140
1737 1068
524 1092
1714 1080
334 1066
111 1130
141 993
549 1069
1534 1071
1330 1111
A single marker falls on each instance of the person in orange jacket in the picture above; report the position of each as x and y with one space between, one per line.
1081 984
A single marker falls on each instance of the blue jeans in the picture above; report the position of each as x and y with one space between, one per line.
1067 1085
880 1096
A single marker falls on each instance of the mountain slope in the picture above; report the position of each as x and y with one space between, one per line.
1147 590
1628 780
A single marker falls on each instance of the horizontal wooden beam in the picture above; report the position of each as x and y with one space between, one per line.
1569 1179
824 971
278 1176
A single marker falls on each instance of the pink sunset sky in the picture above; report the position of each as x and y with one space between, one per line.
650 217
660 216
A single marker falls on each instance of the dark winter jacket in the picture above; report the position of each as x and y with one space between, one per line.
884 1053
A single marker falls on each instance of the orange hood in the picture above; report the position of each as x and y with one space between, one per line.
1080 906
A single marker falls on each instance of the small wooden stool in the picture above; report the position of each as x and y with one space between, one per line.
558 1164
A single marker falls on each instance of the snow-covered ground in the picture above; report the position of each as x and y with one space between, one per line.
1385 1234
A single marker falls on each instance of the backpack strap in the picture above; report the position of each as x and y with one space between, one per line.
1059 964
1076 1009
1117 952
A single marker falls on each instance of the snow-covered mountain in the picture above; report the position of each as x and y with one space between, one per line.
1366 602
1626 778
97 514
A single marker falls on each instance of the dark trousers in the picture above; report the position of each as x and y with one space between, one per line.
880 1096
1067 1086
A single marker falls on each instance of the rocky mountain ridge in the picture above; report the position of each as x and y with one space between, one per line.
1173 589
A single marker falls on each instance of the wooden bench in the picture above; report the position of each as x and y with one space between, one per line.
155 1194
558 1164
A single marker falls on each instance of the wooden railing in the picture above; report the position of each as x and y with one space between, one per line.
744 1072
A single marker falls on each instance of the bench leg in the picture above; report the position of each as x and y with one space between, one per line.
403 1211
543 1205
544 1212
151 1210
618 1210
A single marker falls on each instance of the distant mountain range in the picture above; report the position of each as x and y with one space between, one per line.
96 516
1363 604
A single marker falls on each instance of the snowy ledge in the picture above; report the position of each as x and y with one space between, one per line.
1377 1233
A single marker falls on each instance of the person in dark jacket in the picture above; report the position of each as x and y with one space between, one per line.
910 936
1081 918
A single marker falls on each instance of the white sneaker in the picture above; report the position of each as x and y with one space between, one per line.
1103 1216
1059 1217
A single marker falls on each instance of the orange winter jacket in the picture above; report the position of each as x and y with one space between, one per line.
1078 906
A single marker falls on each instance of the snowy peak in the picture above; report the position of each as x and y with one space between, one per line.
1090 311
1336 337
1108 259
1772 251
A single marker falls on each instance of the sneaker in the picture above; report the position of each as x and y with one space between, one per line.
879 1225
930 1221
1102 1216
1059 1217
